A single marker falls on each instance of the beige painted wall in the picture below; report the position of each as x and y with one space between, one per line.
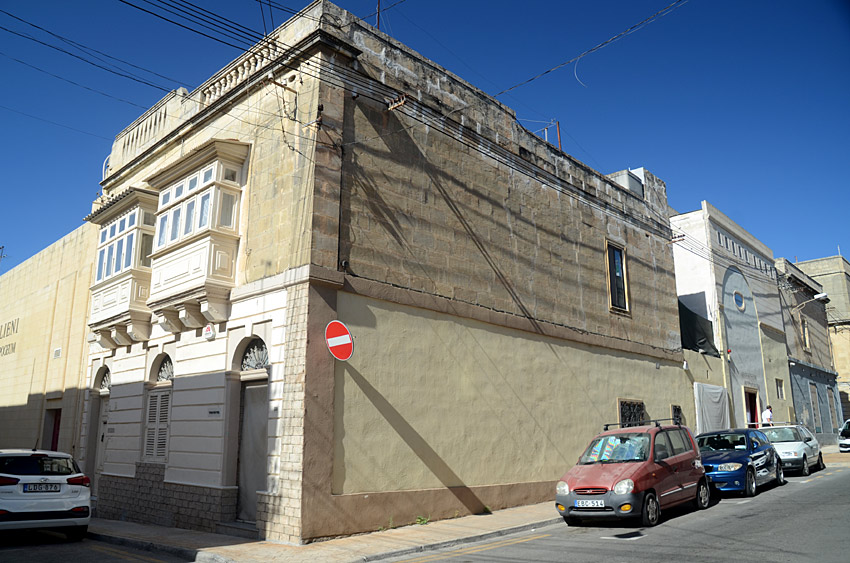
47 296
430 400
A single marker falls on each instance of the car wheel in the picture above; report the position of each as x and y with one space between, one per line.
76 533
750 487
651 513
780 474
821 464
806 469
572 521
703 496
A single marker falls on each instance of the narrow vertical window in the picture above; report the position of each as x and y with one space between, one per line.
122 225
131 220
112 230
226 217
160 236
193 182
109 252
804 332
128 257
103 236
146 249
175 224
100 263
190 217
617 277
165 198
204 212
178 190
119 255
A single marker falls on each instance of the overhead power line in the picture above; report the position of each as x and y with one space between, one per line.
632 29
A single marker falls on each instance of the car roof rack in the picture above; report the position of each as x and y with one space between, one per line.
657 421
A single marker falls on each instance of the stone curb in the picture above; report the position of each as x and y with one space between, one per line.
460 541
207 557
183 552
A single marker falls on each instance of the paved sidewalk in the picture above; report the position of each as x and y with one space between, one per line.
216 548
201 546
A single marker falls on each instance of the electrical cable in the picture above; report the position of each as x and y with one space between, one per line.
85 48
632 29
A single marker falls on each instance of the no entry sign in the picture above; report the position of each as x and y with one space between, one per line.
339 340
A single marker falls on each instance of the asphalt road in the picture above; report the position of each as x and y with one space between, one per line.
39 546
806 520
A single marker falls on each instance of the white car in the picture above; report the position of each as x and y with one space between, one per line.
43 489
797 447
844 437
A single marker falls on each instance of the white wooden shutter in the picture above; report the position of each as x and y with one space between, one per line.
162 426
156 429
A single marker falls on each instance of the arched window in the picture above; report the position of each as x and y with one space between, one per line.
165 371
256 355
158 412
105 381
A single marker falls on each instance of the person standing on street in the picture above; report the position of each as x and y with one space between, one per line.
767 416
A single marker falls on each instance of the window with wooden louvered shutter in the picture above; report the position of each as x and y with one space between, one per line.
156 429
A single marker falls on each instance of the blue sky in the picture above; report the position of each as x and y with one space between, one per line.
743 103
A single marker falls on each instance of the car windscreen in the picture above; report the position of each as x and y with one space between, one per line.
37 465
616 448
777 435
722 442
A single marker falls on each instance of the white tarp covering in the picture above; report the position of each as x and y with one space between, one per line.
712 405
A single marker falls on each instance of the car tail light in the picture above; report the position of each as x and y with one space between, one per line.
8 481
81 480
84 510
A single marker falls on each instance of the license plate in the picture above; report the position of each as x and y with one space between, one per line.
590 503
41 488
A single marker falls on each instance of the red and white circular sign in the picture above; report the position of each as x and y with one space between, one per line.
339 340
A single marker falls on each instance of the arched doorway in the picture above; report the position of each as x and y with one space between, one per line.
98 426
251 471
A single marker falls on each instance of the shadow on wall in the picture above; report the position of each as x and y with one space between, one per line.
419 446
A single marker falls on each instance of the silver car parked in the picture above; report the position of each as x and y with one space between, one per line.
798 448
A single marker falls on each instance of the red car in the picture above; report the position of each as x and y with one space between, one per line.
634 472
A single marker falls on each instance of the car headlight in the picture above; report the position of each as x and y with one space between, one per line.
624 487
789 454
729 467
562 488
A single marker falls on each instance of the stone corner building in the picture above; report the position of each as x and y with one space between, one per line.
505 300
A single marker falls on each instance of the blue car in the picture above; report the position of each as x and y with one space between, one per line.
739 460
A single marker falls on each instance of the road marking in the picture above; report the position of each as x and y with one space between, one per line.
476 549
124 555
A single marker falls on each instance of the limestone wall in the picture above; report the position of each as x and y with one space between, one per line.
43 313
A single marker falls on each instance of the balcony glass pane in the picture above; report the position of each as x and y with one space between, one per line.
100 264
128 257
147 248
227 204
119 255
190 217
204 218
175 224
109 253
131 220
160 235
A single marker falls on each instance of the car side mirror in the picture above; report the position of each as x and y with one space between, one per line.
807 439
